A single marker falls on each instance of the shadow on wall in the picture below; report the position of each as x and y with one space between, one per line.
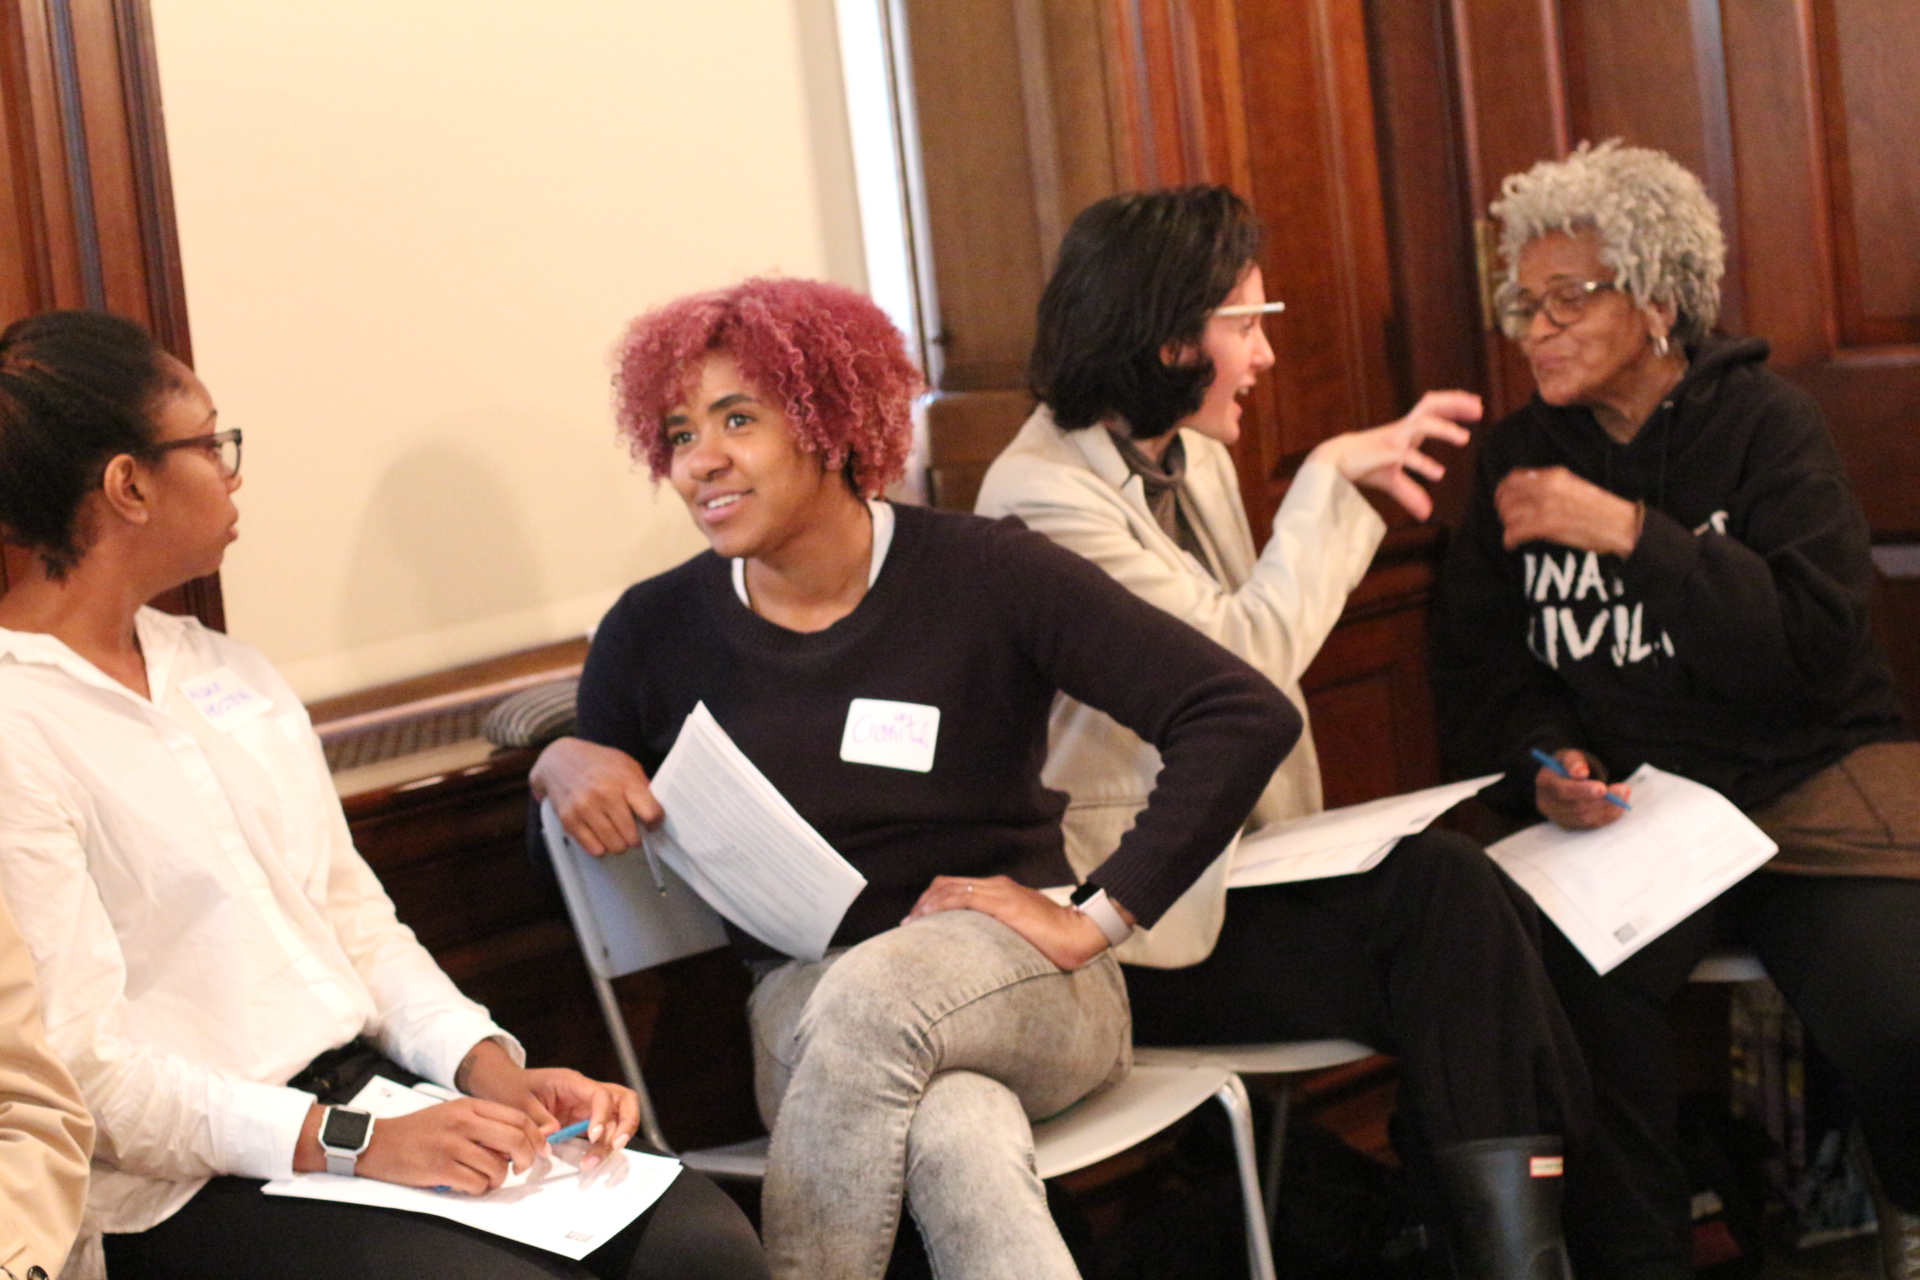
443 541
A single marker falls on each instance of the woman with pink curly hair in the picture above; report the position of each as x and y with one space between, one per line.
957 1002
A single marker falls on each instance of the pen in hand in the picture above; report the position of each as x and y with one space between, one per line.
1555 765
573 1130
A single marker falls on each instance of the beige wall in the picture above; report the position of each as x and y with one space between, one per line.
412 230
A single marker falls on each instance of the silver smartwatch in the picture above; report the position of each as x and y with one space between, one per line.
344 1134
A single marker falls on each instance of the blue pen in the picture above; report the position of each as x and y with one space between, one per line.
573 1130
1561 769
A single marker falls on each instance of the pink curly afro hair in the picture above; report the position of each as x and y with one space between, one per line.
828 355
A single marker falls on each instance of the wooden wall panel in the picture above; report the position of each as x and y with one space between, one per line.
980 203
1314 179
1512 83
1867 53
86 206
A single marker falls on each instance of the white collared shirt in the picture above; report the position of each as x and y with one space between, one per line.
201 922
882 514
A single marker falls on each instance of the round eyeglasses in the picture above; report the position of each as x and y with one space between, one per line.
223 445
1564 304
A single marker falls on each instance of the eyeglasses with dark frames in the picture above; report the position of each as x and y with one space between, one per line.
223 445
1564 304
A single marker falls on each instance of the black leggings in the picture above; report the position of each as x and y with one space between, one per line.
1845 951
231 1231
1433 956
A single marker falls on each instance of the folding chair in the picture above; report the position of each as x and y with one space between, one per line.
627 922
1284 1058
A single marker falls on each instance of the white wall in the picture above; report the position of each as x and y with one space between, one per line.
412 230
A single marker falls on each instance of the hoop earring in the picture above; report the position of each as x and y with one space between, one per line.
1660 345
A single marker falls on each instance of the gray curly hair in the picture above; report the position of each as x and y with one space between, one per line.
1657 228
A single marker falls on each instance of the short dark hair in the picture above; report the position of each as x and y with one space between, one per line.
1138 272
77 388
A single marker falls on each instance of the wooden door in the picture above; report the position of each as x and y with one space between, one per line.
86 207
1797 116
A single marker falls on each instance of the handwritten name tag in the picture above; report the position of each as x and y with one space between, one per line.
225 699
893 735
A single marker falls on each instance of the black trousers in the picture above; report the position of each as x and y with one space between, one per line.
1432 956
1845 951
231 1230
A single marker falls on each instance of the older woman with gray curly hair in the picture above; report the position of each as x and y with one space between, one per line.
1663 562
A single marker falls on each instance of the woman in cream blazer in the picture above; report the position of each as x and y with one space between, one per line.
1149 332
46 1135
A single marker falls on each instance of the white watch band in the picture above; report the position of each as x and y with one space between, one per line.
344 1161
1100 909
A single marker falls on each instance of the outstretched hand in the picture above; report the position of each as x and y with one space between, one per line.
1061 934
1382 457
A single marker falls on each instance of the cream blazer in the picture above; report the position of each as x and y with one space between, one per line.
1274 610
46 1135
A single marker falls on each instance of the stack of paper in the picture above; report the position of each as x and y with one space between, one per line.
552 1206
1341 842
738 844
1615 889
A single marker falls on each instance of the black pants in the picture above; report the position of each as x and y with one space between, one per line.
1845 951
231 1230
1432 956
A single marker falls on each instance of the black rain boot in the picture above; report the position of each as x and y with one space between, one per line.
1503 1198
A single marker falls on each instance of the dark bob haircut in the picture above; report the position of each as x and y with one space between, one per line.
832 359
77 388
1137 273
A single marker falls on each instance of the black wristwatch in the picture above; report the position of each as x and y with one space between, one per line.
344 1134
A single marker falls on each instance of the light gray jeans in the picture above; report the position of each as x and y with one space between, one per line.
912 1064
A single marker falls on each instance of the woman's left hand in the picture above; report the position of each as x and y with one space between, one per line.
1551 504
1381 458
553 1097
1061 934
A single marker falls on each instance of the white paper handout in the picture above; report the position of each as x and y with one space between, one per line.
1341 842
738 844
1615 889
551 1206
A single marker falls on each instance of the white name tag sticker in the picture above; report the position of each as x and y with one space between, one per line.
893 735
225 699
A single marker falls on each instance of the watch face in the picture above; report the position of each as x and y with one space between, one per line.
345 1130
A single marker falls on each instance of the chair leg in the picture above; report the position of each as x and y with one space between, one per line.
629 1063
1276 1154
1233 1097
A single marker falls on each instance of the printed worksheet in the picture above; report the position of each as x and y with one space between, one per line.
1342 842
551 1206
1614 890
738 844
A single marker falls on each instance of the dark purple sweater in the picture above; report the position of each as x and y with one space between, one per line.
985 621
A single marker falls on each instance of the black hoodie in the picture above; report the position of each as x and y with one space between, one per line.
1731 647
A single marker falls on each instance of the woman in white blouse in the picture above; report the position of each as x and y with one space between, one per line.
1149 333
218 963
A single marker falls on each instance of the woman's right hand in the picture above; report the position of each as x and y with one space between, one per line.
600 794
1380 458
1578 803
468 1145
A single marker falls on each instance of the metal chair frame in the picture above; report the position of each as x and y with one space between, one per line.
630 915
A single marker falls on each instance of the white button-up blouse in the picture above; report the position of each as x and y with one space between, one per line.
201 922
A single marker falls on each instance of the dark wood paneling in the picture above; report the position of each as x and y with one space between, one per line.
1866 53
86 204
1315 182
1430 335
968 429
982 219
1367 691
1512 84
